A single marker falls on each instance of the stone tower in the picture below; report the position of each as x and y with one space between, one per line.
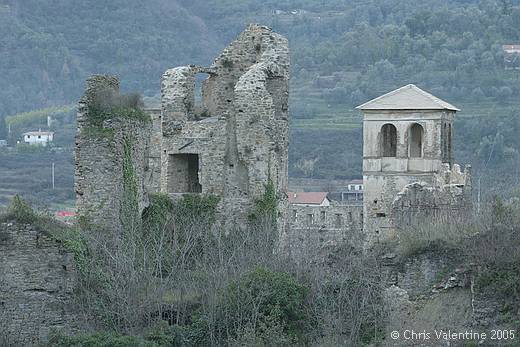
407 138
100 163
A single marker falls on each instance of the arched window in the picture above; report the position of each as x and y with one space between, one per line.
388 140
415 136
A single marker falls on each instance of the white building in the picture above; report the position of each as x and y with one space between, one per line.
38 137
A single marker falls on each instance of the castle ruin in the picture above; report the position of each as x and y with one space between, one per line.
231 142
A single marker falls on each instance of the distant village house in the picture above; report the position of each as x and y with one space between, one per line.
308 198
41 138
511 56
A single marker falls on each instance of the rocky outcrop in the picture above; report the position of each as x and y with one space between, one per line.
432 292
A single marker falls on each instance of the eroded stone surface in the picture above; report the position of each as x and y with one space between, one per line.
99 156
37 279
234 140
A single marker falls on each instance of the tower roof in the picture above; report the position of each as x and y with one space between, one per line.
409 97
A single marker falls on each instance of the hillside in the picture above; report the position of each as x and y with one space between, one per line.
343 53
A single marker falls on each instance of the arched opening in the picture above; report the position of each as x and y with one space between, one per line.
388 140
415 136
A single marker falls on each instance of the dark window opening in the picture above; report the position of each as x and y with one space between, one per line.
310 219
199 94
416 141
339 220
294 215
379 214
389 140
183 173
322 216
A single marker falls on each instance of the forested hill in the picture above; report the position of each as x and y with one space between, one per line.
452 48
344 52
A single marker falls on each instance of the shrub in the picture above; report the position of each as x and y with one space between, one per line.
157 212
20 210
107 104
262 301
431 236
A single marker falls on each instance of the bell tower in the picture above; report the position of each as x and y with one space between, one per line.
407 137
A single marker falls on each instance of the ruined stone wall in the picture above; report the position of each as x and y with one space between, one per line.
99 157
37 279
239 131
446 201
153 181
313 230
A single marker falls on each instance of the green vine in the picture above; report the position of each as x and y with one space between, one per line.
129 216
267 205
97 114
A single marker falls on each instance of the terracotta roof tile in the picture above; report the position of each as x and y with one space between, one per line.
310 198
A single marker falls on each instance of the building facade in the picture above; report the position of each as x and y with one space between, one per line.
407 138
42 138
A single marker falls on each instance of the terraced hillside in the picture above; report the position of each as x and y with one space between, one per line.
29 174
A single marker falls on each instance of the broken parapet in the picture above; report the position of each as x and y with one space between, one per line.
111 155
454 176
234 140
419 203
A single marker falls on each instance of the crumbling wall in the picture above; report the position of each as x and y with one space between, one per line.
37 279
240 129
100 156
153 181
447 201
312 231
437 291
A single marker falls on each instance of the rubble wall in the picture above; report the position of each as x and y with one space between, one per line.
99 157
239 130
37 279
314 230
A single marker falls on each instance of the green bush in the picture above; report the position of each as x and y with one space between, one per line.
266 300
430 237
267 205
160 205
107 104
502 282
198 205
20 210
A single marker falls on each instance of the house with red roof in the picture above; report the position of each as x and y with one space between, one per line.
308 198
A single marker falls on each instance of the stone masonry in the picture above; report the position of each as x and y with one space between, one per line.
234 140
313 230
37 279
407 139
99 159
